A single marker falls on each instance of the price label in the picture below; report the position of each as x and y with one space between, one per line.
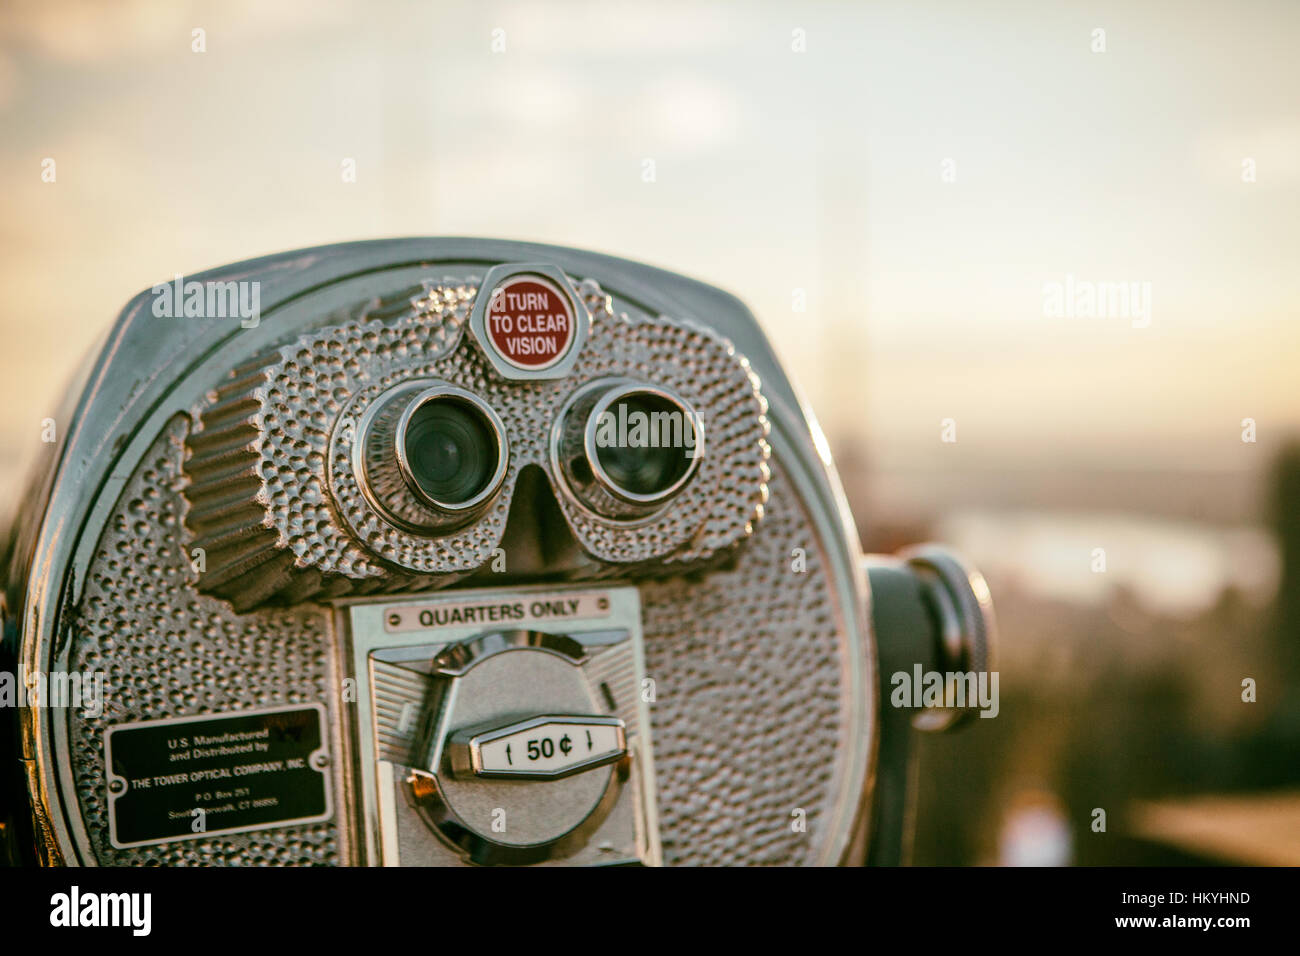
549 746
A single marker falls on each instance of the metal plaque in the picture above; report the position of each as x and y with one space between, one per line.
192 777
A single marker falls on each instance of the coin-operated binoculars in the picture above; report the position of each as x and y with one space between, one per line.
433 552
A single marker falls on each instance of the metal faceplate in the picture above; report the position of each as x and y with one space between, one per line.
555 678
782 659
281 511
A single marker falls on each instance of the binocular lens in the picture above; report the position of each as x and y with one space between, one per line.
431 456
653 449
451 451
625 448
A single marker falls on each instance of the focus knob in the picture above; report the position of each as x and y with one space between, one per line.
933 610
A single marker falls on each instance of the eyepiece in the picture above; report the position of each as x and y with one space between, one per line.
433 456
625 448
449 451
642 442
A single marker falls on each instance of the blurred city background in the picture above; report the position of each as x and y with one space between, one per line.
892 188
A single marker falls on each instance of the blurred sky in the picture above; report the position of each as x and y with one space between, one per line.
774 170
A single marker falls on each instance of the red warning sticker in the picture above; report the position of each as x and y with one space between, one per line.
529 322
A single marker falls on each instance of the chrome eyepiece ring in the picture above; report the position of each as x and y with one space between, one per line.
625 448
431 456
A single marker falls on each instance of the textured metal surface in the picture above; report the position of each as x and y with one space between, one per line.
168 651
750 703
272 464
751 715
